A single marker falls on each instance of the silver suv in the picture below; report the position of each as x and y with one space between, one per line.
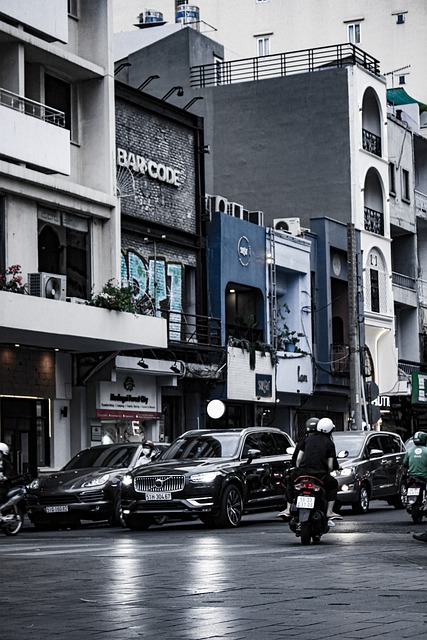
370 468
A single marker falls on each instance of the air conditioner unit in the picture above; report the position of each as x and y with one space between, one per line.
47 285
245 215
289 225
234 209
218 203
257 217
75 300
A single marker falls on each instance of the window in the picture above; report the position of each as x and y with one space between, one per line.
400 18
63 248
376 283
218 62
73 8
392 178
61 95
406 195
375 291
263 46
402 79
2 236
353 33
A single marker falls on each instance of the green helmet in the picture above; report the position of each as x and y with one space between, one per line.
420 438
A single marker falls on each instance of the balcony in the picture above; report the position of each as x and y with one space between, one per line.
23 120
404 289
421 204
40 322
371 142
186 329
340 360
282 64
374 221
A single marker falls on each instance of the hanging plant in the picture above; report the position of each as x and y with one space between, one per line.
252 348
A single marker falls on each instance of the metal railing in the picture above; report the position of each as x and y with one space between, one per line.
371 142
374 221
191 329
32 108
403 281
282 64
340 359
421 204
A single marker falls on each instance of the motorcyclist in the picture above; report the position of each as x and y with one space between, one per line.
6 471
317 457
415 460
293 472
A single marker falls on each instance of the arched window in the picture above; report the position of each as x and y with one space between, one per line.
371 123
376 283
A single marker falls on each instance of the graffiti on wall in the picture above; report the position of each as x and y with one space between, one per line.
158 281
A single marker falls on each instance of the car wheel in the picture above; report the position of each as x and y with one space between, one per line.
231 508
117 519
138 523
362 504
399 501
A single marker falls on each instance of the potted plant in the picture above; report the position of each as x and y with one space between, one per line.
287 340
11 280
122 298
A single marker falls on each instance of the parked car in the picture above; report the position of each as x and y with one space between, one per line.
216 475
371 468
87 488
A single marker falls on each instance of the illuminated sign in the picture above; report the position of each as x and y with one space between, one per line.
145 166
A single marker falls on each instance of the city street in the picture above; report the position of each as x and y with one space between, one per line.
366 579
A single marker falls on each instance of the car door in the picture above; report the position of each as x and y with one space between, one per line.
257 471
394 456
378 464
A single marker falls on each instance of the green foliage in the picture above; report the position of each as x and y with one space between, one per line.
122 298
285 336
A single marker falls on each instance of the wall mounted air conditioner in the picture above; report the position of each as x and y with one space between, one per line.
218 203
235 210
289 225
47 285
245 215
257 217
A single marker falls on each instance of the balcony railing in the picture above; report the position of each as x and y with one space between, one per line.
193 330
403 281
421 204
282 64
374 221
244 333
422 292
371 142
339 359
32 108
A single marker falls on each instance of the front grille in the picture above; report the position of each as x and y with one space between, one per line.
159 483
47 501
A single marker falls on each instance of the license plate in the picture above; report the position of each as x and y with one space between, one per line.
58 509
413 491
305 502
158 496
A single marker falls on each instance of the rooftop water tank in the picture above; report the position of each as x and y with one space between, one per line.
149 16
188 14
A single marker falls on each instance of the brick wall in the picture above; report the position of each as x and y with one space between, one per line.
25 372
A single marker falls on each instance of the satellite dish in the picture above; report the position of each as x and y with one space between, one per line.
216 409
52 289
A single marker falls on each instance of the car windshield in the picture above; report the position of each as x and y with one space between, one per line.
353 444
221 445
102 457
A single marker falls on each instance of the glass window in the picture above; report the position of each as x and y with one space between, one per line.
353 33
400 18
62 95
63 249
405 186
73 8
263 46
392 178
402 79
282 443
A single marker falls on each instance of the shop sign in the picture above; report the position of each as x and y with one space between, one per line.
155 170
419 388
130 396
264 385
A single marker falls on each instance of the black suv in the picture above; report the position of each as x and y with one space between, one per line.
214 475
371 468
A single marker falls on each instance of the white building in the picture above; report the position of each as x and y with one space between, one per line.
59 221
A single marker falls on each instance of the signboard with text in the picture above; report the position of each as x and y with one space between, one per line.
131 396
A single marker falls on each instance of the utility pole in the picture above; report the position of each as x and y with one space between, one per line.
353 330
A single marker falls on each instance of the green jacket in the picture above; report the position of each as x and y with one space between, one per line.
415 460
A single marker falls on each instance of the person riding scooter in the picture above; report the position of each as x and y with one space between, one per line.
415 460
317 457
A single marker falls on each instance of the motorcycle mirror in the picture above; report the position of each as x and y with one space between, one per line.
342 454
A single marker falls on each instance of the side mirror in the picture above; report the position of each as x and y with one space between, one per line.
253 453
290 451
375 453
342 454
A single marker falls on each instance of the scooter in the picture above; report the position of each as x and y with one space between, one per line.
308 510
12 511
416 498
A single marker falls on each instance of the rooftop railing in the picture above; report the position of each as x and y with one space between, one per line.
31 108
282 64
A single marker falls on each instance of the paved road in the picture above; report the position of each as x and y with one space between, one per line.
366 579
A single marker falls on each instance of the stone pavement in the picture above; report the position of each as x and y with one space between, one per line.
188 582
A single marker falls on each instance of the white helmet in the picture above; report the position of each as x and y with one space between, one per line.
4 449
325 425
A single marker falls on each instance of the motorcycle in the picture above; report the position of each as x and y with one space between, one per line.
416 498
12 511
308 510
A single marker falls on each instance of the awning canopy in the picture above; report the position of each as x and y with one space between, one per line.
399 96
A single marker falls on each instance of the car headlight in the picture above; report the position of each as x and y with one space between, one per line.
34 484
97 482
343 473
127 480
208 476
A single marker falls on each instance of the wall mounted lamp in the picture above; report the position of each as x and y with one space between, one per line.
179 90
142 364
121 66
147 81
192 101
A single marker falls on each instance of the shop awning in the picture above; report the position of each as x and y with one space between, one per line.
399 96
